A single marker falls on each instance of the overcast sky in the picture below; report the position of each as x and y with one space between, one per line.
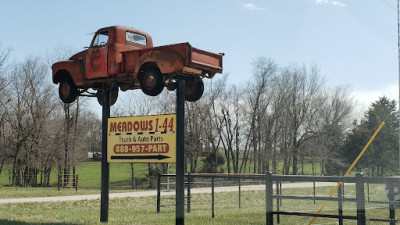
354 42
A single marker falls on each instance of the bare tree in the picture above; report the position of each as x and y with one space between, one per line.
4 55
303 106
335 117
233 127
30 104
58 52
212 125
71 115
259 99
194 135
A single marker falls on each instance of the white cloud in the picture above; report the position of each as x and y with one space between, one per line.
252 7
336 3
330 2
322 2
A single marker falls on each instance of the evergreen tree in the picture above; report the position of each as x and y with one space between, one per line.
382 157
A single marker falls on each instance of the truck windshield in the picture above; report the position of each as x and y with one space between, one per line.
101 39
136 38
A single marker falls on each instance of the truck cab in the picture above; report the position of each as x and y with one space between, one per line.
124 59
104 56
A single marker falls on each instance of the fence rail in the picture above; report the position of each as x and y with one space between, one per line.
273 210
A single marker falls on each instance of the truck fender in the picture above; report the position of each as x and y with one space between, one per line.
168 62
70 68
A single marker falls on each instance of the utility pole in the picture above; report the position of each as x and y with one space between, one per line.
398 56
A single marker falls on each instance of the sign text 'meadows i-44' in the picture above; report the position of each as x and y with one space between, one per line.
142 139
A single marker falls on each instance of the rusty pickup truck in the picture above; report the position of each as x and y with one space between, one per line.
124 59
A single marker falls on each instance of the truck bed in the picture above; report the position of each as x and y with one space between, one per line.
181 58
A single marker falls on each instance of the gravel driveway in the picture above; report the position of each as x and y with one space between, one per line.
154 193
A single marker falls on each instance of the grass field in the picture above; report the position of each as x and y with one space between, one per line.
90 174
120 174
143 210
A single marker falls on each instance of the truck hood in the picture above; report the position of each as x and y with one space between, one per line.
78 56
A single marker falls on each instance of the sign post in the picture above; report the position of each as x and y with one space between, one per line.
180 154
105 167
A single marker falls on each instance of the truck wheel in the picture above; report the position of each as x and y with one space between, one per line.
152 82
67 90
114 96
194 89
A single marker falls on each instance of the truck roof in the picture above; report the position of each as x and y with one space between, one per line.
118 29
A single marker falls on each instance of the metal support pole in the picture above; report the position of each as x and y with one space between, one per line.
278 219
280 192
158 192
360 196
392 209
268 198
398 59
343 189
76 183
180 154
240 193
105 167
314 190
340 203
212 197
59 181
188 192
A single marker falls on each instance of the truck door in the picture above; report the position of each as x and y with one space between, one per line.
96 59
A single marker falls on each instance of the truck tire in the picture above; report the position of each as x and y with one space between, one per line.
114 96
194 89
67 90
152 82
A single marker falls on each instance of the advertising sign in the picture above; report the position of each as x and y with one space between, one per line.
146 139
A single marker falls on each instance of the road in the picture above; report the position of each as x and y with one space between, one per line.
137 194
